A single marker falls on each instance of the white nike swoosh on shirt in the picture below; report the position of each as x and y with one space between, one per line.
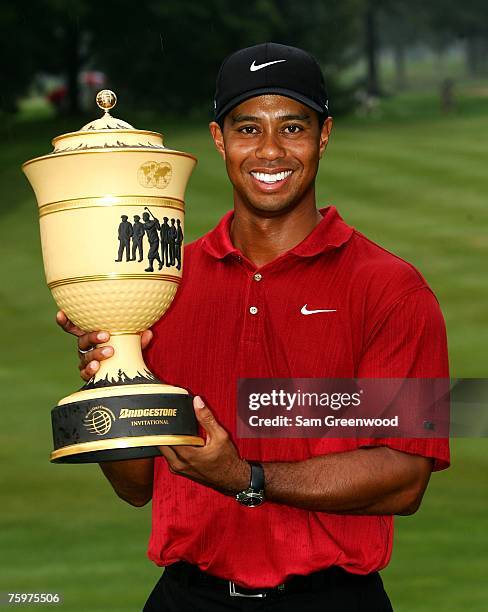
305 310
253 67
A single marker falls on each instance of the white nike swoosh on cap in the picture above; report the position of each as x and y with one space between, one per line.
253 67
305 310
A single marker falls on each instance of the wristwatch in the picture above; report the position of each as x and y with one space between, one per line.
254 494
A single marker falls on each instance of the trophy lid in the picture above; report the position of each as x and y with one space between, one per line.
106 132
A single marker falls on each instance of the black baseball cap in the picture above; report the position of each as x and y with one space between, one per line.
270 68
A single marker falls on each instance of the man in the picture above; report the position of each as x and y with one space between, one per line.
138 235
165 232
124 234
178 243
152 228
173 235
280 289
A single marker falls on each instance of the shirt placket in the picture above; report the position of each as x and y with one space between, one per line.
253 312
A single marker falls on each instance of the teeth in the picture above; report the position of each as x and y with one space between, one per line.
271 178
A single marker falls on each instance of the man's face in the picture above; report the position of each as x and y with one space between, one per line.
271 146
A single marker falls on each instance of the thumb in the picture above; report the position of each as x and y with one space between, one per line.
205 416
146 338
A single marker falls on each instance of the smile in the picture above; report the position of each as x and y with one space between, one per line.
264 177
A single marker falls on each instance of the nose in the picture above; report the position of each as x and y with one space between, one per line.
269 147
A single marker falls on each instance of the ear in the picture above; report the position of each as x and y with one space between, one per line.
324 135
218 138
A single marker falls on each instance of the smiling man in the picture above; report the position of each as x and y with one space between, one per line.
280 289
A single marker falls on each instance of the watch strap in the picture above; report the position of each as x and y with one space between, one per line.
257 476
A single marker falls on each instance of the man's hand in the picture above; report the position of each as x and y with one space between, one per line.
90 362
217 464
377 480
132 479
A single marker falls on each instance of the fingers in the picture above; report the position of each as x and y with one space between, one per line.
207 420
96 354
63 321
170 456
86 341
88 371
146 338
90 361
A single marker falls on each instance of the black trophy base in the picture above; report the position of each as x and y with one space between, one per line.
120 427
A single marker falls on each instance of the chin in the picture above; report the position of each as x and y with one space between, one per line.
273 208
274 204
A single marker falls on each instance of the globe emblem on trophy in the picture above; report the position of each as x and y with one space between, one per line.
99 420
95 182
154 174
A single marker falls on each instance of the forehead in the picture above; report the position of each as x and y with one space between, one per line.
270 106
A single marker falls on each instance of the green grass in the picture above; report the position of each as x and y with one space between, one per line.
409 178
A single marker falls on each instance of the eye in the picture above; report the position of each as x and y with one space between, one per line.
293 129
248 129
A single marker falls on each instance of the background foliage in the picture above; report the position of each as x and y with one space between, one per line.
405 172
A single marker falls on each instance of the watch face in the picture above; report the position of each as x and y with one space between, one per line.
250 498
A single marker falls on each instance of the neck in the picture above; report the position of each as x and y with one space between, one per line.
262 239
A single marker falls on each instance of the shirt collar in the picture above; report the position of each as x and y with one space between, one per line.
332 232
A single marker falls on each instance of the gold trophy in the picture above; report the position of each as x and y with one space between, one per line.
120 183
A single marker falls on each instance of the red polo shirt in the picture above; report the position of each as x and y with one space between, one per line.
230 320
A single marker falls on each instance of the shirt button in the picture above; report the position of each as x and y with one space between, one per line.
253 310
257 276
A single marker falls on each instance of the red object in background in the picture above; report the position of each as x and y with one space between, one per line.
93 78
58 96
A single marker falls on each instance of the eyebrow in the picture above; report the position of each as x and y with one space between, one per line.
241 118
305 117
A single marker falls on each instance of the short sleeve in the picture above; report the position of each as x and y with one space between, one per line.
409 341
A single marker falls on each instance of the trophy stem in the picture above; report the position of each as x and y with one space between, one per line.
126 366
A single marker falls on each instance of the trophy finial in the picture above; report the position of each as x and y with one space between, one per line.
106 99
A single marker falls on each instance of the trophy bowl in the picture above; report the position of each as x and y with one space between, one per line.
122 185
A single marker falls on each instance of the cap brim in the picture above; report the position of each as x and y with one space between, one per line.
271 90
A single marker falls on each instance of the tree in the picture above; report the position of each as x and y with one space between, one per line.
171 51
46 35
403 26
17 57
166 54
467 20
371 46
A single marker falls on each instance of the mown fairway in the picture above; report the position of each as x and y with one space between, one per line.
411 180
